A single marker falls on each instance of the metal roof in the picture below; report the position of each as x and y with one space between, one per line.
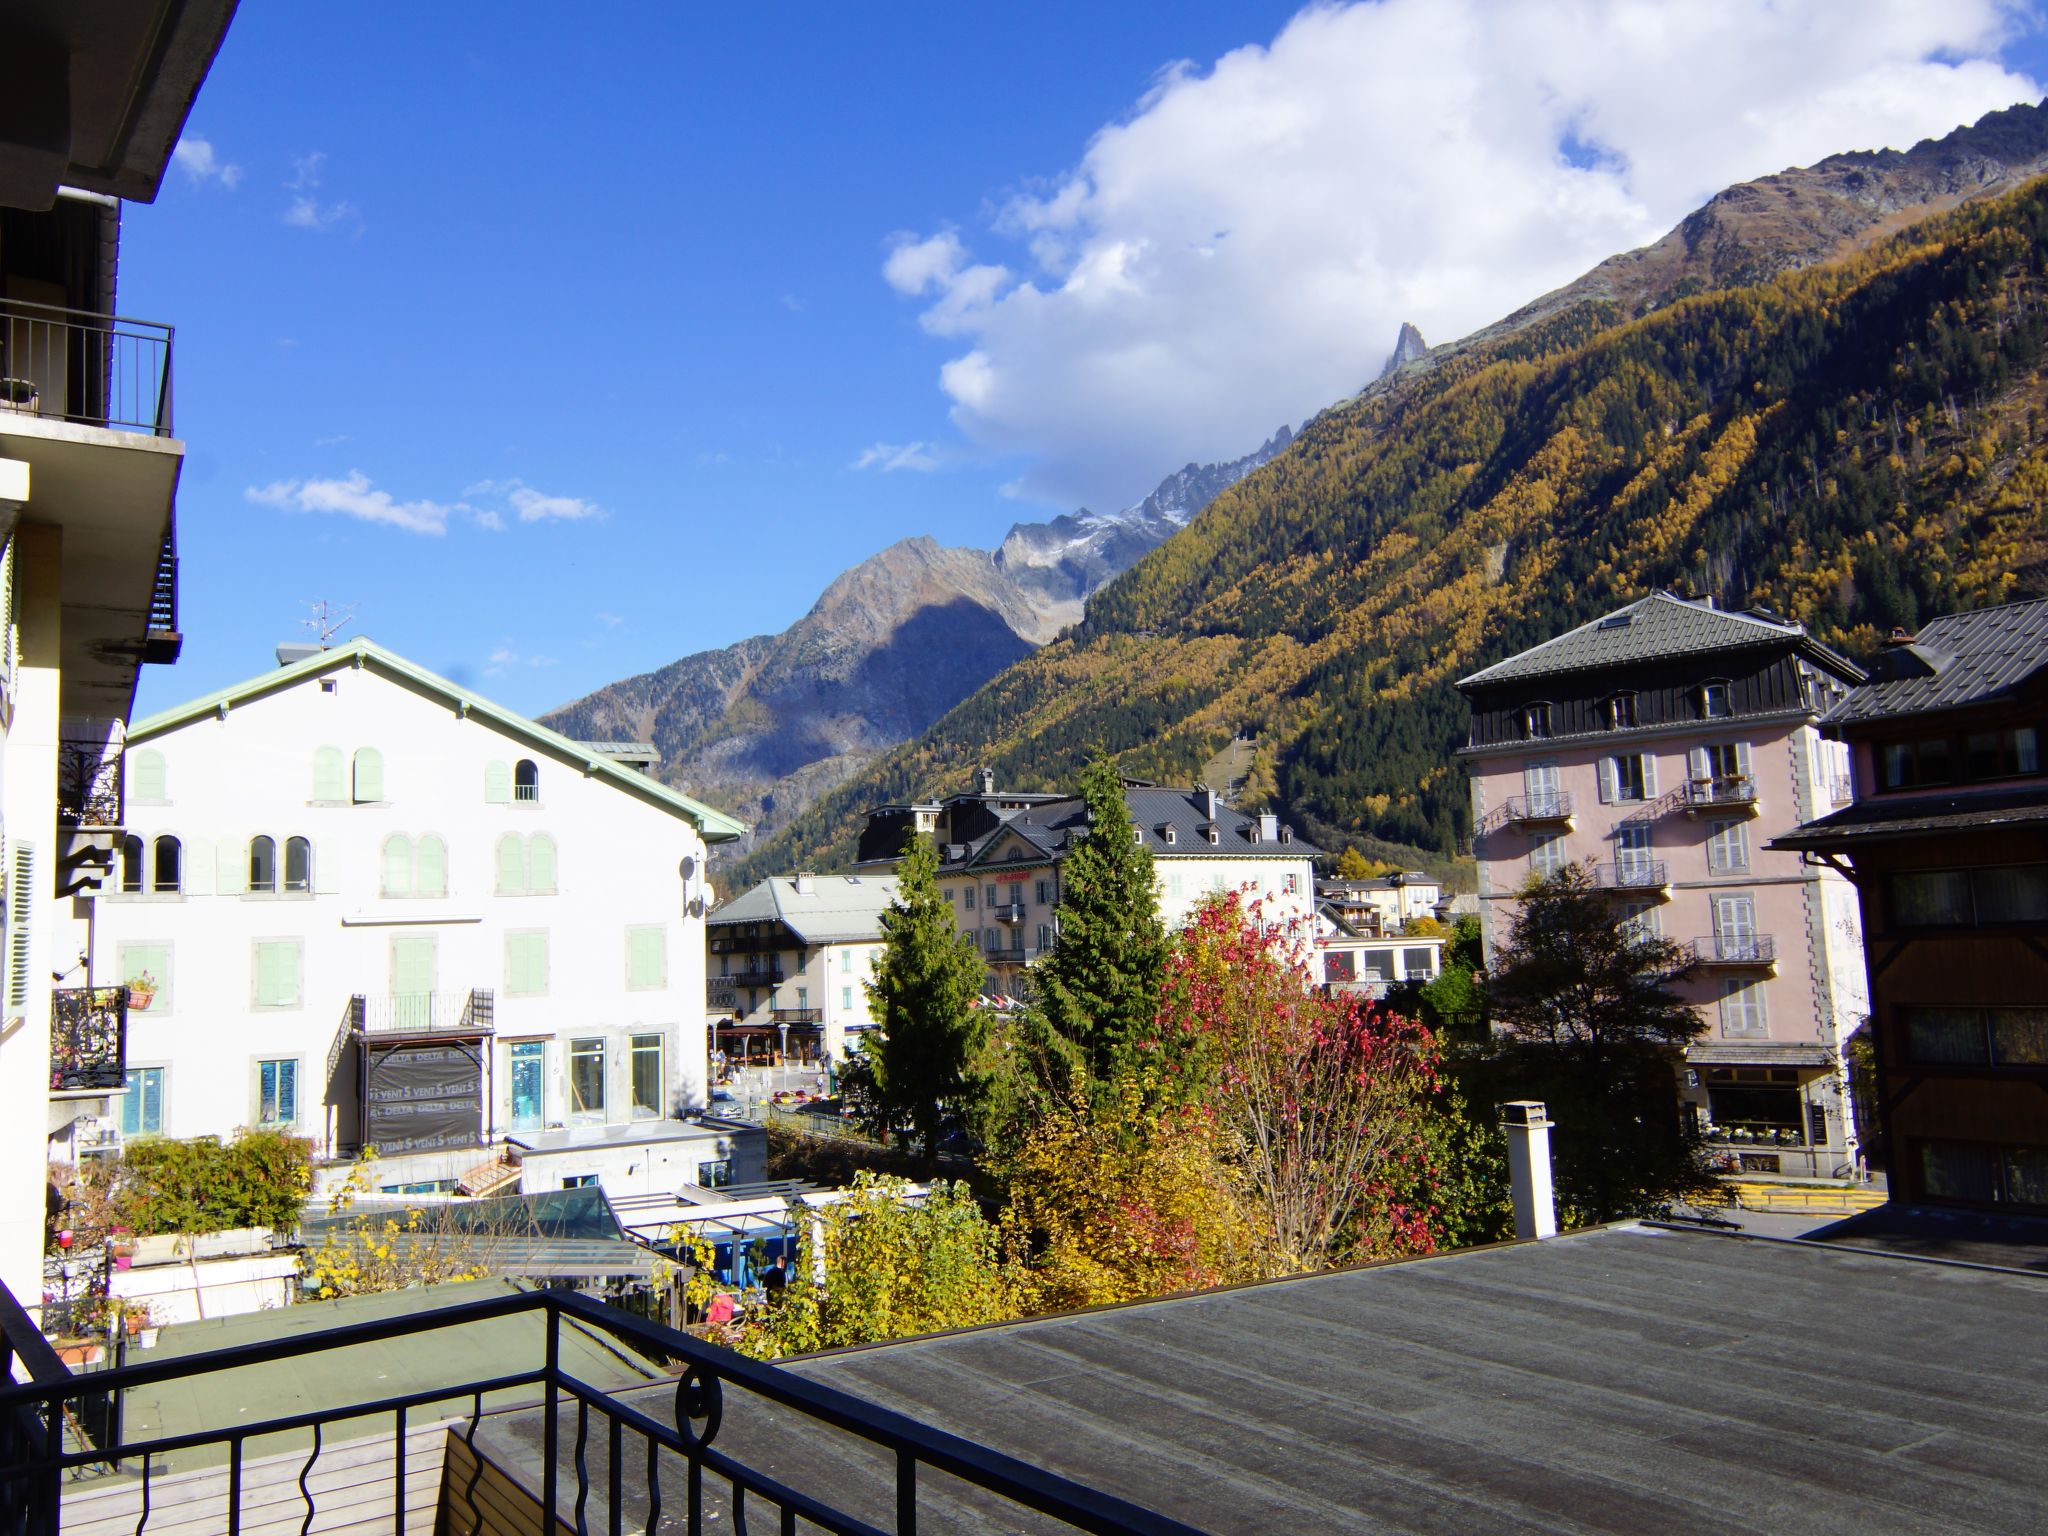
1959 659
837 909
716 826
1050 829
1883 817
554 1234
1655 628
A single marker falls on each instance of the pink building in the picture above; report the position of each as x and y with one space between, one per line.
1663 746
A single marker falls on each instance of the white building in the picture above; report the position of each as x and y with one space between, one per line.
359 902
790 961
1386 904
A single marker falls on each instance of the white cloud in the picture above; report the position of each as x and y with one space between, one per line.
1240 249
890 457
354 496
532 506
505 657
196 158
306 210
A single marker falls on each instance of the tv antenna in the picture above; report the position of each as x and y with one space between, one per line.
328 620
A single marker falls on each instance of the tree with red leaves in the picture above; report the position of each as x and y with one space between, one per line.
1321 1098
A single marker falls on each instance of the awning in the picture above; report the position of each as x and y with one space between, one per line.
1758 1053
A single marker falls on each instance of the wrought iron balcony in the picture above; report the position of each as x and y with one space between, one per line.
800 1018
1008 912
719 992
88 1039
1537 810
423 1013
1636 875
91 370
1737 792
1755 949
89 784
759 976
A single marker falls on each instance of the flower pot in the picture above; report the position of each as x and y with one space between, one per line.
146 1337
140 997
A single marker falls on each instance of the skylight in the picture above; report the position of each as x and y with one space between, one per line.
1620 620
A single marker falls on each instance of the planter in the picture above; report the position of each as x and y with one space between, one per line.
146 1337
140 997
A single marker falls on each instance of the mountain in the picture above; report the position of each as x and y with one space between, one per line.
1409 347
1801 398
763 727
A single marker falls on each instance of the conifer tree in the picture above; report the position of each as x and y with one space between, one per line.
923 996
1101 983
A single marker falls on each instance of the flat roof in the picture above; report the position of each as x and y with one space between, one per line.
632 1133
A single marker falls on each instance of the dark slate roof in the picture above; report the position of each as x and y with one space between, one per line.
1888 816
1962 658
1654 628
1050 828
837 909
1619 1380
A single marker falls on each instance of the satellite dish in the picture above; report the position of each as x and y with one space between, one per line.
696 906
690 868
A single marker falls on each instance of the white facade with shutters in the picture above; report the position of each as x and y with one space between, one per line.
351 826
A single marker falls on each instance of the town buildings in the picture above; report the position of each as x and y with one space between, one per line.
356 901
1383 904
1001 855
789 965
92 100
1663 746
1947 842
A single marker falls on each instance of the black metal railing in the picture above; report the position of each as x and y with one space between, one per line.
1553 806
1704 794
719 991
798 1016
1636 875
1734 949
89 784
1008 912
760 976
423 1013
88 1039
91 370
162 641
678 1463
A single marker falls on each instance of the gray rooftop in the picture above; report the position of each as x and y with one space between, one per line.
835 909
1654 628
1623 1380
1962 658
1051 829
1884 817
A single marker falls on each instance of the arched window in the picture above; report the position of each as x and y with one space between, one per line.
369 775
540 865
431 866
262 863
497 783
398 874
511 866
298 865
146 775
170 866
131 864
330 779
526 780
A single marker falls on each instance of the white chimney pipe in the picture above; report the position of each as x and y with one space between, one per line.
1528 1130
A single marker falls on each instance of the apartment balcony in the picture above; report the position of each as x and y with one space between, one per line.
90 814
720 992
1737 793
1645 877
163 641
798 1018
1546 810
1755 951
1008 912
759 976
743 944
407 1015
88 1041
84 369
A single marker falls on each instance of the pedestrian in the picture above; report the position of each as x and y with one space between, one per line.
775 1278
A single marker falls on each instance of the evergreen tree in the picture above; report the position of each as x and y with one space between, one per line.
1101 983
923 997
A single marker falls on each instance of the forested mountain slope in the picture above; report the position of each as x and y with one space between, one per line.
1857 444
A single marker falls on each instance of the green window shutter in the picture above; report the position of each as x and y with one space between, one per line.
646 957
412 965
369 775
329 781
21 904
277 973
397 880
146 774
497 784
511 866
540 864
152 960
230 867
526 964
432 867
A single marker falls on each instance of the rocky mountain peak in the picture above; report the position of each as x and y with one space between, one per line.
1409 347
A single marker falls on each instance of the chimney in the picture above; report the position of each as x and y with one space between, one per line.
1897 637
988 781
1269 827
806 882
1528 1132
294 651
1205 797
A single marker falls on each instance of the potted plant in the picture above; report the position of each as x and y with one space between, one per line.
139 1317
141 990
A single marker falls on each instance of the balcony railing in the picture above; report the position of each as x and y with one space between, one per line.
1638 875
1537 810
761 976
1734 949
55 1432
1008 912
162 641
423 1013
88 1039
798 1017
89 784
1738 792
719 992
92 370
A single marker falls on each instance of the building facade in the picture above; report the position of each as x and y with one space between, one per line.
1385 904
789 964
1947 843
357 902
1662 747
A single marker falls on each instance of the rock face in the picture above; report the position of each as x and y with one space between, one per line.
1409 347
762 728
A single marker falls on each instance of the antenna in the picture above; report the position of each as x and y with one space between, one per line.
329 620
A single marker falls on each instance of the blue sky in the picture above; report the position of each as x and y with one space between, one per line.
561 352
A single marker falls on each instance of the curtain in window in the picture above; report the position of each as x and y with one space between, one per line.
1931 898
1945 1036
2014 894
279 1093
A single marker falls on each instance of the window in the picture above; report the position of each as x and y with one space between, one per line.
1980 755
967 898
1043 893
277 973
526 964
1962 898
262 863
1977 1037
145 969
1540 784
1418 962
1742 1010
142 1108
298 865
330 784
497 784
430 866
714 1175
2001 754
586 1080
369 776
1727 847
646 1077
146 776
1638 919
1629 777
992 898
1621 711
991 939
20 913
511 865
1536 721
1173 885
1379 964
169 875
1044 937
846 999
1547 855
646 958
1715 703
277 1093
397 864
579 1180
1632 861
540 865
1968 1170
1735 936
526 780
131 865
1291 884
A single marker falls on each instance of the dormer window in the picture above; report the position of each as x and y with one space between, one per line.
1138 836
1214 836
1172 836
1621 711
1715 703
1536 720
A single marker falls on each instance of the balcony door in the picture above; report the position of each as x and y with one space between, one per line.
1735 927
1632 855
528 1075
1539 783
412 981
